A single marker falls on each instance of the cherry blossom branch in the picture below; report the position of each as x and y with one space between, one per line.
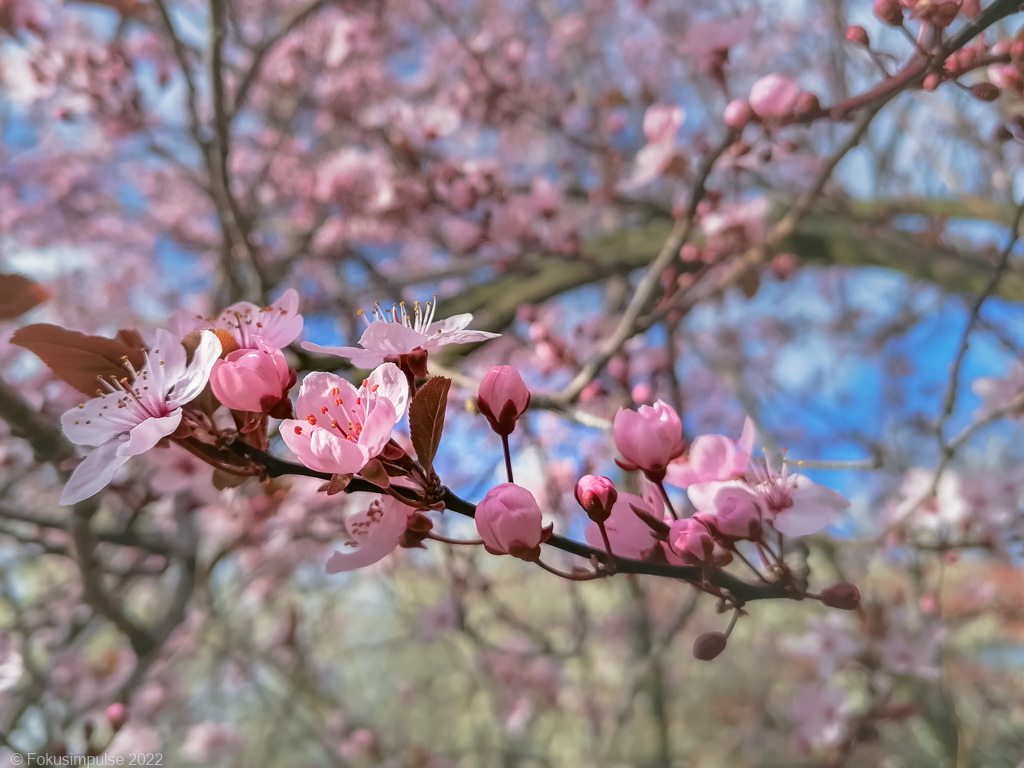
737 588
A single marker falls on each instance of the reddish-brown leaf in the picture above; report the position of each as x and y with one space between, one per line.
426 419
18 295
79 359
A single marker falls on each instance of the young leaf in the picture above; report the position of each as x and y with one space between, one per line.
18 295
426 419
79 359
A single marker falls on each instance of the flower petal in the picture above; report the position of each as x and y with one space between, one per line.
150 432
194 379
359 357
94 473
389 383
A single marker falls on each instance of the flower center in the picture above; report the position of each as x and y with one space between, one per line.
418 320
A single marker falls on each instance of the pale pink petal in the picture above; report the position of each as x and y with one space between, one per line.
194 379
315 390
94 473
459 337
95 421
387 381
449 324
681 474
375 534
377 428
149 433
391 338
167 362
359 357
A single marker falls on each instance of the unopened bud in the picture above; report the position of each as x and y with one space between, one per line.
984 91
889 11
709 645
807 104
844 596
117 715
858 35
737 114
932 81
502 398
597 496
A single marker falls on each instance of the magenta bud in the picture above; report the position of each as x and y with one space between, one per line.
984 91
844 596
502 398
117 715
858 35
709 645
889 11
807 104
596 495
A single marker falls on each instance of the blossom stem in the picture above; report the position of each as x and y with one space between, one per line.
508 458
668 501
610 562
749 565
587 576
446 540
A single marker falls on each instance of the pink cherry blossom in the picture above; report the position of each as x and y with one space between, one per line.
796 505
395 332
375 533
502 398
629 535
251 379
648 438
278 325
774 96
12 665
713 458
134 415
690 539
510 522
662 123
737 114
736 513
340 428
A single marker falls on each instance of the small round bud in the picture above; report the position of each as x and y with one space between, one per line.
932 81
807 104
858 35
737 114
844 596
596 495
709 645
984 91
117 715
889 11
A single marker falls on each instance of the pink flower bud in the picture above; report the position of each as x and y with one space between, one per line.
737 513
844 596
774 96
502 397
709 645
691 540
510 522
737 114
858 35
251 379
596 495
649 437
117 715
889 11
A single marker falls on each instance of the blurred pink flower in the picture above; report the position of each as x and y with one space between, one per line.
277 325
713 458
510 522
340 428
395 332
136 414
629 535
736 513
774 96
690 539
211 742
375 533
648 438
796 505
662 123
